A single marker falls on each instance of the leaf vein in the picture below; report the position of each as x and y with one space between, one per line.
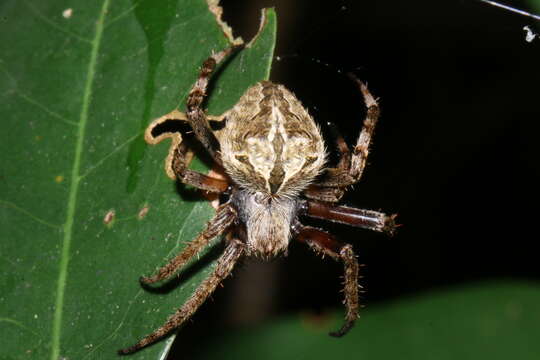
44 108
120 324
123 14
103 159
54 25
74 185
20 325
15 90
29 214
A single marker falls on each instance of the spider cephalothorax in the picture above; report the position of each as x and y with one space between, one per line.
274 160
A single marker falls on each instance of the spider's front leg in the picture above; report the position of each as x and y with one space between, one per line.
324 243
195 114
348 173
223 268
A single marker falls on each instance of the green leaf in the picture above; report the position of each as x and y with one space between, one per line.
535 6
482 321
79 82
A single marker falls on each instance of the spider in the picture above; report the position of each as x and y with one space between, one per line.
274 158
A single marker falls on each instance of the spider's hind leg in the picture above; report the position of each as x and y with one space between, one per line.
225 216
223 268
324 243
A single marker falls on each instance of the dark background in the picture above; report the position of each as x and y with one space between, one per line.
455 153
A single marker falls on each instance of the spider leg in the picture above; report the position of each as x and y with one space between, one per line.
224 267
367 219
153 136
328 193
195 114
187 176
322 242
343 176
225 216
343 149
324 193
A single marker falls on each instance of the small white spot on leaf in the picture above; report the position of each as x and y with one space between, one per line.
67 13
109 217
143 212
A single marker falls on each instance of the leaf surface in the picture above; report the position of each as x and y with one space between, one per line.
85 206
494 320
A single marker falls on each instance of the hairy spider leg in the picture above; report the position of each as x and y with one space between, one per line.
224 218
337 177
194 178
223 268
324 243
195 113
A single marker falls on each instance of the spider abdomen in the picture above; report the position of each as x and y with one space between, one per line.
270 143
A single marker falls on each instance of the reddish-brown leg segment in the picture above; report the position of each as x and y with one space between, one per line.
324 193
325 243
225 216
193 178
224 267
367 219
